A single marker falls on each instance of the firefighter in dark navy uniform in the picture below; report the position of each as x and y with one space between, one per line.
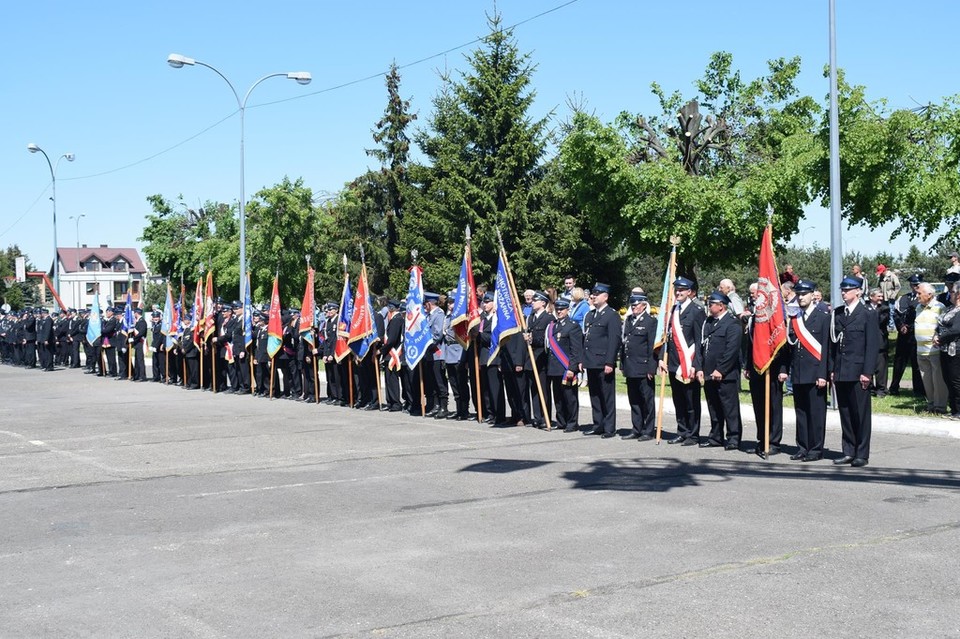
639 366
601 343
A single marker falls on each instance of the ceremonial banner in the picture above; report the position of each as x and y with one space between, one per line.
274 324
209 315
362 329
466 311
340 349
417 336
769 316
167 327
128 321
505 322
666 299
247 315
197 313
306 310
94 324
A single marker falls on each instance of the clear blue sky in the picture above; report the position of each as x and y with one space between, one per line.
92 79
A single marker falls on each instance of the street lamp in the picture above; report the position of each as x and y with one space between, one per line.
803 237
33 148
178 61
77 218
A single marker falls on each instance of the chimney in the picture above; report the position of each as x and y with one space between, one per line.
84 246
103 246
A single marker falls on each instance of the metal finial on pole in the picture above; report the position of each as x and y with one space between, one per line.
363 258
468 232
344 262
769 214
307 257
675 240
414 253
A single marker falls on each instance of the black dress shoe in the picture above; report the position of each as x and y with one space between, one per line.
373 406
690 441
676 440
607 435
570 429
731 446
812 457
846 459
797 456
594 431
710 444
630 435
644 438
859 462
441 414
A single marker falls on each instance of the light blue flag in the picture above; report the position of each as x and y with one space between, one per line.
247 316
417 336
166 323
93 326
505 321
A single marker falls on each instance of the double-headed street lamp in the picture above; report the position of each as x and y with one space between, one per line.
77 218
33 148
177 61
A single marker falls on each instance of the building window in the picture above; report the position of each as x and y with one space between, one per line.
91 266
119 290
119 266
91 288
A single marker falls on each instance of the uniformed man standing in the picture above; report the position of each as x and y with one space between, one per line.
720 373
536 333
494 398
639 366
46 340
110 340
135 340
684 336
435 383
809 362
855 342
601 343
329 339
453 360
564 344
392 356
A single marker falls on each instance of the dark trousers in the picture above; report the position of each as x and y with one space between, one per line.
905 354
242 372
139 365
457 377
640 392
758 396
603 399
439 385
853 404
537 407
518 399
345 379
45 352
110 355
75 352
950 367
333 384
366 381
880 375
307 375
193 373
723 403
30 354
495 397
567 402
686 401
391 383
810 403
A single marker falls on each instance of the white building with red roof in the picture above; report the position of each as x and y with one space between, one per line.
111 271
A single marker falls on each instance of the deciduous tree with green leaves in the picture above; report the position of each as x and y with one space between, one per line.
707 179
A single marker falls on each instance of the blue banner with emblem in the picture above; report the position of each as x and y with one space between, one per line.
417 336
505 322
94 324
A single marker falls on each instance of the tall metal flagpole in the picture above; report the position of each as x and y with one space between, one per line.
836 240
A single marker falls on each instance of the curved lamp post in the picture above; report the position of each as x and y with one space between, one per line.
178 61
33 148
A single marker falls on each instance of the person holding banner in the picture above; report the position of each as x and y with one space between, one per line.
537 324
494 397
601 344
639 366
684 335
564 344
392 357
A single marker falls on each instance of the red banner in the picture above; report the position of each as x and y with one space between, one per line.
769 315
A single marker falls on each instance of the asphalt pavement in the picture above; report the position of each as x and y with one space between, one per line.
143 510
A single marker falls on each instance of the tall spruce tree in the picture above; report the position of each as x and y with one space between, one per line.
484 151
